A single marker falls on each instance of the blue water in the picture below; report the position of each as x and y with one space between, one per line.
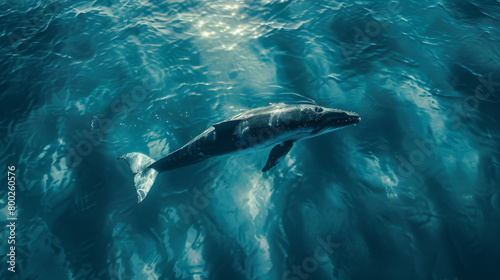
411 192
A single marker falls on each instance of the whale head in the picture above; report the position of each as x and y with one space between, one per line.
323 120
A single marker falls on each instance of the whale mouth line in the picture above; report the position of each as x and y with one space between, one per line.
338 123
347 121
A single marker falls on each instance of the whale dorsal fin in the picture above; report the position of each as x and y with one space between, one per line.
226 125
277 154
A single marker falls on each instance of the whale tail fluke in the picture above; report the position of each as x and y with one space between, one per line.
144 176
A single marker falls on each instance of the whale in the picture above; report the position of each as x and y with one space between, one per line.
278 126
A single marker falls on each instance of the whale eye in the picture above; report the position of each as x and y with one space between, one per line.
318 109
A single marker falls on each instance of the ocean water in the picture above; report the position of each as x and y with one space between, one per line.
411 192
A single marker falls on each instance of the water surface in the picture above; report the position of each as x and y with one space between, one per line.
411 192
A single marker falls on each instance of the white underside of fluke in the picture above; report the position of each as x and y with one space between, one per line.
144 177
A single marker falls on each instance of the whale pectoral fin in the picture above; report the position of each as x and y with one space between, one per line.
278 153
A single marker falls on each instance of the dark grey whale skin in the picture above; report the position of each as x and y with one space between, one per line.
274 125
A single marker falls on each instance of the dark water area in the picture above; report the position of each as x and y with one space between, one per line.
411 192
